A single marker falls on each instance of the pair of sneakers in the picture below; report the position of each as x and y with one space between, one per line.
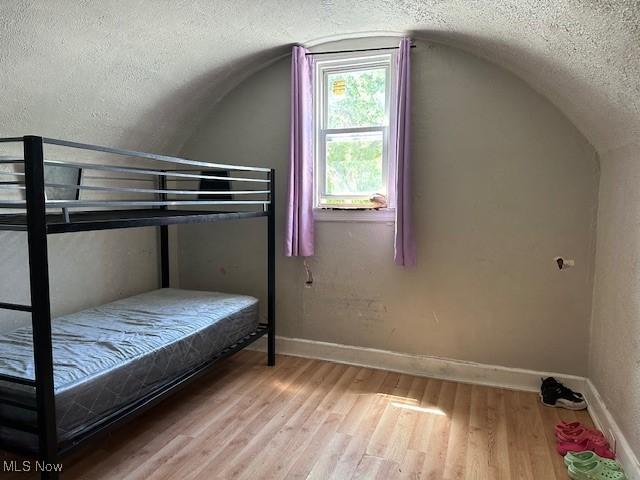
555 394
590 466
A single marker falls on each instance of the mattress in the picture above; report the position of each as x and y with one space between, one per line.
108 356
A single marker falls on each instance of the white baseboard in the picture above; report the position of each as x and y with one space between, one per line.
421 365
464 372
606 423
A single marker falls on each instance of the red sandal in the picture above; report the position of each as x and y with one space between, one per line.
579 434
600 449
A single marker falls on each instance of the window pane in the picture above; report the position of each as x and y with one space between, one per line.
356 99
354 164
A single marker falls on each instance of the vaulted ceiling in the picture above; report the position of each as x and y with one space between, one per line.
143 73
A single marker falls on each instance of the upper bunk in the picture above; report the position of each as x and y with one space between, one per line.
92 187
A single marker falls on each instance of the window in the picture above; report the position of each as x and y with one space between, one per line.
352 104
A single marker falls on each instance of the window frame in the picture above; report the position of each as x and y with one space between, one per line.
336 63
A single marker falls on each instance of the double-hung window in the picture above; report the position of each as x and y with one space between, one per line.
352 116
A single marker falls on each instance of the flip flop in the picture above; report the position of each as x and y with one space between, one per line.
583 458
594 471
586 445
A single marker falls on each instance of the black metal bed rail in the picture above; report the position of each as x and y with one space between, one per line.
169 191
107 220
150 156
38 223
125 413
153 398
22 381
137 154
75 192
129 203
133 170
15 306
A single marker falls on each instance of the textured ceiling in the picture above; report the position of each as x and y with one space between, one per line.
142 73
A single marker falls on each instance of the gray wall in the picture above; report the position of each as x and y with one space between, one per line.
503 184
86 269
615 342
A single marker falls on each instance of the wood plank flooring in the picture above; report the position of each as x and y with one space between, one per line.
310 419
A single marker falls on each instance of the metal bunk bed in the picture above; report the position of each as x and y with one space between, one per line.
156 205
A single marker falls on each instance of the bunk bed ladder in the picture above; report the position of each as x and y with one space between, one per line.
40 303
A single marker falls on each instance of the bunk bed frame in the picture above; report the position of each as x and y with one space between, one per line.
35 216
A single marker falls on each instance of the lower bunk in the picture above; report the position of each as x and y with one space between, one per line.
111 360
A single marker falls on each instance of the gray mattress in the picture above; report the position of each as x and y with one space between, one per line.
109 356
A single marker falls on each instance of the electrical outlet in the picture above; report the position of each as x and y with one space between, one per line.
563 263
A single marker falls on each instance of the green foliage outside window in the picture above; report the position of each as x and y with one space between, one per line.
354 164
354 160
363 102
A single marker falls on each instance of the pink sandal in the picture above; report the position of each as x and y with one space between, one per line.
579 434
601 449
562 426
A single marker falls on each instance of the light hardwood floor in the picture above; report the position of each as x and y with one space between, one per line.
320 420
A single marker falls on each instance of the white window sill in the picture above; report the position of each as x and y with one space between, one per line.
345 215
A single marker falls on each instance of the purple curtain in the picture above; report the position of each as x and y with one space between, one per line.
405 247
299 223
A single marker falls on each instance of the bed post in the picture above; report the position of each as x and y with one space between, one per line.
164 238
40 302
271 272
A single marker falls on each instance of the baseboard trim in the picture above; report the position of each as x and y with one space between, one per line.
420 365
606 423
464 372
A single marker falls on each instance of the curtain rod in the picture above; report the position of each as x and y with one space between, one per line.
358 50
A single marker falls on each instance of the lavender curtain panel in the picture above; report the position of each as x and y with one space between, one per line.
404 245
299 222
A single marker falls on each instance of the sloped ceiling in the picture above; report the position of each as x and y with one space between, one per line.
143 73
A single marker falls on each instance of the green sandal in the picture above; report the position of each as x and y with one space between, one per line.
581 458
594 471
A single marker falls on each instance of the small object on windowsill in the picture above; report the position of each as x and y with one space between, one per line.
348 207
379 200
